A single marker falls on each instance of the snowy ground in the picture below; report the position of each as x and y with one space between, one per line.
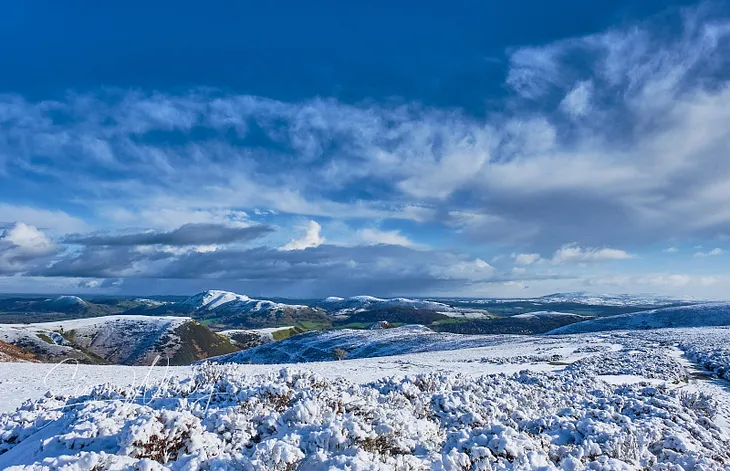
125 339
615 400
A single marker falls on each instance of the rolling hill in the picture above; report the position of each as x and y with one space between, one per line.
321 346
230 310
125 340
697 315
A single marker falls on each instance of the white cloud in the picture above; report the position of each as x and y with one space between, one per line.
573 253
515 284
526 258
376 236
310 238
475 270
712 253
671 250
22 245
52 220
577 102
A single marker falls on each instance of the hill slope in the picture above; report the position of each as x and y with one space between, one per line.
698 315
321 346
537 322
125 340
232 310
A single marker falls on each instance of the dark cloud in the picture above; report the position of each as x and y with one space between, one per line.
186 235
382 269
105 262
103 283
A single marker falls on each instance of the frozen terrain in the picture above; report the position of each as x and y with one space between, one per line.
121 339
608 299
320 346
546 315
707 314
337 306
615 400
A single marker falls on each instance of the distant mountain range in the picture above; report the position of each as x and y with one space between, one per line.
225 309
136 331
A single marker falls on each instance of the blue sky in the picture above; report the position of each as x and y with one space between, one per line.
460 148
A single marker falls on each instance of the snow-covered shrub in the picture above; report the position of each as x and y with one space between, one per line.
300 421
646 363
699 402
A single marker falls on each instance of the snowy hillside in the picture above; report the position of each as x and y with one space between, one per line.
213 298
698 315
236 310
355 303
359 311
320 346
127 340
232 302
615 401
547 315
250 338
612 299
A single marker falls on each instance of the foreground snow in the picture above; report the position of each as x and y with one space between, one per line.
618 400
220 420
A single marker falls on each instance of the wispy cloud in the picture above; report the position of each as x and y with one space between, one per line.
711 253
573 253
526 258
377 236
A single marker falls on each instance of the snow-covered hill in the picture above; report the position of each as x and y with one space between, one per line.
608 299
547 315
321 346
357 303
698 315
126 340
372 309
615 401
250 338
236 310
213 300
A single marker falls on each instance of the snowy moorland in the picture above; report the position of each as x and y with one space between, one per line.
698 315
320 346
615 400
588 299
339 307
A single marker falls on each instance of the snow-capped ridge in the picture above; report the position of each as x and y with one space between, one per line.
546 314
333 299
65 300
214 298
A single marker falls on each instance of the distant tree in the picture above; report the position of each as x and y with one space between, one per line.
339 353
